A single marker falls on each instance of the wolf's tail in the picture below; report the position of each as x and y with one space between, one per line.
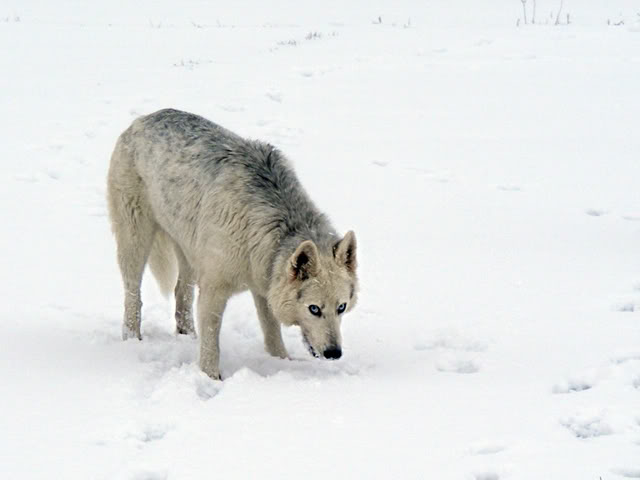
163 262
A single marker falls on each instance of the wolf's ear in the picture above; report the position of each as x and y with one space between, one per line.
304 262
345 252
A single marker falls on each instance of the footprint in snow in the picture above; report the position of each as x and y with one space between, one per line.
486 475
487 448
627 472
628 307
149 433
274 96
626 357
572 385
454 350
627 303
52 174
587 426
206 388
148 475
456 364
509 188
595 212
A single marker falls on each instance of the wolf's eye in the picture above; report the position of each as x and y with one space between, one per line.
315 310
342 308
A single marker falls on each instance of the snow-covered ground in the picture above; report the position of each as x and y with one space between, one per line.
490 171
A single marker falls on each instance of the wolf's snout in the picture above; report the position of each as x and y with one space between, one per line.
332 353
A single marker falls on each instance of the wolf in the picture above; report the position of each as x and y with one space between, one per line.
208 208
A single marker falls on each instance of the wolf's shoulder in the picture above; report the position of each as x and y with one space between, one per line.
186 124
170 117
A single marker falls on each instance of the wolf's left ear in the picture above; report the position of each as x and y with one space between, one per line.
304 262
345 252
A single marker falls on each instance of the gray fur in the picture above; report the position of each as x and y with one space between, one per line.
228 215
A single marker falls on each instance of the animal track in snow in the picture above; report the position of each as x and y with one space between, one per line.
587 426
455 352
274 96
627 472
595 212
628 302
626 357
486 475
486 448
456 364
509 188
150 433
628 307
380 163
572 385
148 475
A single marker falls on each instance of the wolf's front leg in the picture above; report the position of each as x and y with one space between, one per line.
273 343
132 309
211 304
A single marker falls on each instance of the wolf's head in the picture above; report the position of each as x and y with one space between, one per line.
315 290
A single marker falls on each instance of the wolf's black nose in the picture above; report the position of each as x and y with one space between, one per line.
332 353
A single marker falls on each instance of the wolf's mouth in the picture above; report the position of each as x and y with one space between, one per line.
309 347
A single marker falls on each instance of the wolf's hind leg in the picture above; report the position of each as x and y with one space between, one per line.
273 343
134 229
184 296
134 244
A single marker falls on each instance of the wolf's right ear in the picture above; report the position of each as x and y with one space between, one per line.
304 262
345 252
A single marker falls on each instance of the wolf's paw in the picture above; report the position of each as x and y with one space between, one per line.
128 332
282 355
186 330
277 352
213 373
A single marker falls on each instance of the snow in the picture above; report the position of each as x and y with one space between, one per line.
490 172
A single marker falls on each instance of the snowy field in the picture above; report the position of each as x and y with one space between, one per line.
490 171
